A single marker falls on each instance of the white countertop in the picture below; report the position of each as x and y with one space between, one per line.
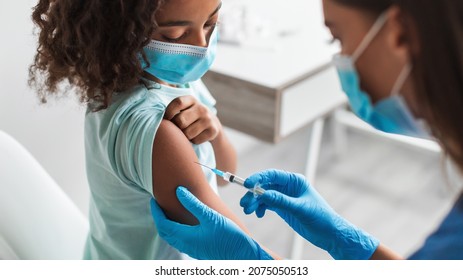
295 43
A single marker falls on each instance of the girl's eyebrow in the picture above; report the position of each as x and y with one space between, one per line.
175 23
186 23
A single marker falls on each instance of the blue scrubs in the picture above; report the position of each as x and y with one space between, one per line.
446 243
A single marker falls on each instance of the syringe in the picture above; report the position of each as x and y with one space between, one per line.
232 178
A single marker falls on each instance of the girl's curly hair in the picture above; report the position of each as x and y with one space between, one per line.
94 45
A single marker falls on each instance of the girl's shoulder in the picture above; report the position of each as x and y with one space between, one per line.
135 98
165 94
135 104
152 98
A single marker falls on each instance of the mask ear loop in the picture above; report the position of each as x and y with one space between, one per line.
401 79
377 26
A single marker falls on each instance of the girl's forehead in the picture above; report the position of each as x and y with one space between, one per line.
188 10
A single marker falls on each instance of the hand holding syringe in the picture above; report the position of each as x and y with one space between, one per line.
232 178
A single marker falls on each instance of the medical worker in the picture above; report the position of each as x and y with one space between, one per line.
401 66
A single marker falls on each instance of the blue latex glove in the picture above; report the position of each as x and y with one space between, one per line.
300 205
215 238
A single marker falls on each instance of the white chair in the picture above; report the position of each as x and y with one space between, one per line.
37 219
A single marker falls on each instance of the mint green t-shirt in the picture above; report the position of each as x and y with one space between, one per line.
118 145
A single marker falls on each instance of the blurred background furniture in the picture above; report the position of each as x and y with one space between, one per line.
37 220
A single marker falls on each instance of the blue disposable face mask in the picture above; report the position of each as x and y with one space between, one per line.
391 115
180 64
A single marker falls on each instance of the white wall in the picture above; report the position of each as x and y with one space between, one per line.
53 133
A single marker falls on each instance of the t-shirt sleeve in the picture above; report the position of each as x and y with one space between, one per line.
205 96
134 131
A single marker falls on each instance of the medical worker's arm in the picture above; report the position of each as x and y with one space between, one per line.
302 207
214 238
384 253
200 125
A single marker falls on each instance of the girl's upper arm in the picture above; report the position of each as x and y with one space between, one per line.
173 164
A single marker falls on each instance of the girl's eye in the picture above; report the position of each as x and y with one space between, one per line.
207 25
173 40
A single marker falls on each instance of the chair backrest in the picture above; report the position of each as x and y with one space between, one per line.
37 219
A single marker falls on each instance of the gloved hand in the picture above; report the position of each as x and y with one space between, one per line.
300 205
215 238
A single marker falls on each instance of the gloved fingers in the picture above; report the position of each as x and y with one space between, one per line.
277 200
161 220
249 203
165 226
252 204
202 212
251 208
260 211
247 199
288 183
263 178
253 180
273 179
156 212
276 177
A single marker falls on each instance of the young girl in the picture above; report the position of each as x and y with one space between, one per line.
137 64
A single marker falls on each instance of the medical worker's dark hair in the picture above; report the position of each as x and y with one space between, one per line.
90 45
437 26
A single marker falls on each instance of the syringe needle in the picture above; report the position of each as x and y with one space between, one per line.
216 171
232 178
203 165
